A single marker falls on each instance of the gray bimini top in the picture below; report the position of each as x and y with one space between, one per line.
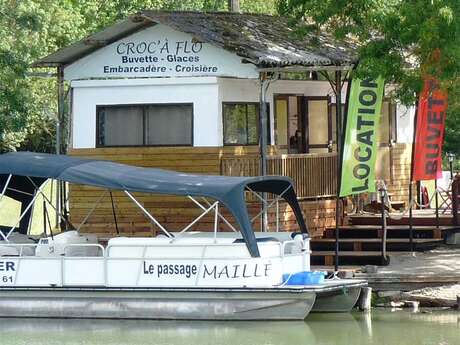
115 176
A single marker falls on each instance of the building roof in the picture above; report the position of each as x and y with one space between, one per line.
264 40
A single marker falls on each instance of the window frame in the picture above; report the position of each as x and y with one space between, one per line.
143 106
257 104
392 118
285 97
330 139
332 115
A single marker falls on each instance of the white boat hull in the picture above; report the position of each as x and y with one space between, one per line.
339 300
280 303
192 304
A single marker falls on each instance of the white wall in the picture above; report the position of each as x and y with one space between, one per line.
230 80
202 92
405 118
240 90
206 94
233 90
159 51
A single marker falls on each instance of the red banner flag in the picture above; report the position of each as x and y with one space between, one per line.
429 132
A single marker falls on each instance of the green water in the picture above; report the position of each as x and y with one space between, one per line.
382 327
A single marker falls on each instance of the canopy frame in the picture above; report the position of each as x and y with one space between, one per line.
229 191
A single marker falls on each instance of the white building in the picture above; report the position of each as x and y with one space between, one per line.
183 90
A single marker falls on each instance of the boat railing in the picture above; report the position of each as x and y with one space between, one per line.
36 245
144 247
70 267
86 245
105 252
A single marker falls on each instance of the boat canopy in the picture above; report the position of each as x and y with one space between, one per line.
115 176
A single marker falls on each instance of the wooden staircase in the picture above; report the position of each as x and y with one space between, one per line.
362 244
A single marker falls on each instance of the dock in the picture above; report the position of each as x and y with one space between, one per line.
361 237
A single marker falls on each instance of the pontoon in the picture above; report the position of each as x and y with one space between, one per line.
239 275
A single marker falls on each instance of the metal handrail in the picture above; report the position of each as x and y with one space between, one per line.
35 245
206 246
383 196
85 245
282 246
105 257
106 251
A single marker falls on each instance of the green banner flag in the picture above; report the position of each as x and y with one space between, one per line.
360 146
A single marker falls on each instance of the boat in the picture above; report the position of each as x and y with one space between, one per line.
213 275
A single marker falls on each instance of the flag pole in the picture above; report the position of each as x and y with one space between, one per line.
411 219
338 126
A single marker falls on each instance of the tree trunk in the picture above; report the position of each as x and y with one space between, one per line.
234 5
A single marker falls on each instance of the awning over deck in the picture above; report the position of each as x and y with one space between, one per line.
109 175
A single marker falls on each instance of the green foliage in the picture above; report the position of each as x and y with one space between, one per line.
396 35
31 29
399 39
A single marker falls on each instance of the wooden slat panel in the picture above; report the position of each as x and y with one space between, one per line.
310 172
314 175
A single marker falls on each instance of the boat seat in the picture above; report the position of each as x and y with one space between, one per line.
303 234
259 240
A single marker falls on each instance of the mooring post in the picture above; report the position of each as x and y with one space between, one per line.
365 298
384 226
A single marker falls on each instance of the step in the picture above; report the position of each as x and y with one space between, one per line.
393 231
377 240
444 220
375 244
346 253
397 227
327 258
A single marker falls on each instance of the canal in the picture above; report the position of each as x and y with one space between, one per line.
380 327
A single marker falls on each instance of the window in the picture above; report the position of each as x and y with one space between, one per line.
387 123
288 123
387 126
319 126
241 123
145 125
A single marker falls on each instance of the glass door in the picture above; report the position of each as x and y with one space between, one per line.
319 125
289 133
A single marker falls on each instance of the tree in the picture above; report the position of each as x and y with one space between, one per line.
402 40
31 29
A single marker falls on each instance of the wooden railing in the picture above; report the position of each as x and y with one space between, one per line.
314 175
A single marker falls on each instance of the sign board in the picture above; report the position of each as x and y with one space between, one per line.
8 270
159 51
360 146
255 272
429 132
260 272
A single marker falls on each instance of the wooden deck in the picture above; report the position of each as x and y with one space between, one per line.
425 217
176 212
314 175
362 244
410 271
